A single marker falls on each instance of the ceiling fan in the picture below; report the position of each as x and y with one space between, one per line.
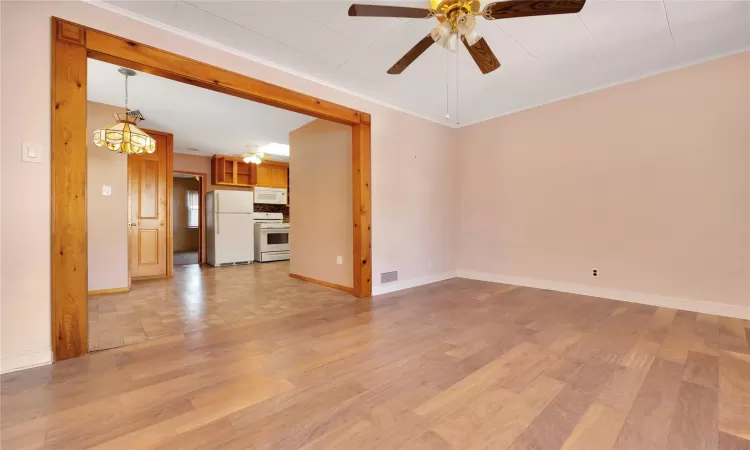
457 20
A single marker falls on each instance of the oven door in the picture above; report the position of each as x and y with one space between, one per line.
274 240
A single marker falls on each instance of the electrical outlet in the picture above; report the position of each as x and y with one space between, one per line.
429 264
595 272
339 260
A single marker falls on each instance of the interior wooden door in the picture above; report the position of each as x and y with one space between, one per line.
148 197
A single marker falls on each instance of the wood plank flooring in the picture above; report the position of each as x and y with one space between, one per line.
184 258
199 298
458 364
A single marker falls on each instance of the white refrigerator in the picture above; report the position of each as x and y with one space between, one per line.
229 228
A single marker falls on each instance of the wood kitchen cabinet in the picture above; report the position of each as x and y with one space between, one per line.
273 174
232 171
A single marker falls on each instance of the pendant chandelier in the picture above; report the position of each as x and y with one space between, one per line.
124 136
255 157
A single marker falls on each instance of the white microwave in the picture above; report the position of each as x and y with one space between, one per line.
270 196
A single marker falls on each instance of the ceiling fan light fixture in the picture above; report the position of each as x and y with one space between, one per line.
445 36
472 38
255 158
466 25
452 43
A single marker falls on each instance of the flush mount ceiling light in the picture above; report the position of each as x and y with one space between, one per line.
255 157
275 149
124 136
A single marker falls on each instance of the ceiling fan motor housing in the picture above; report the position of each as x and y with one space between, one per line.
456 19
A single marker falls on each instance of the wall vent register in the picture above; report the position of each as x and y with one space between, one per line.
388 277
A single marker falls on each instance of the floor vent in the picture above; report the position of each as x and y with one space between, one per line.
389 277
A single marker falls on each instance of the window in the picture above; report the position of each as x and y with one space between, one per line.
192 209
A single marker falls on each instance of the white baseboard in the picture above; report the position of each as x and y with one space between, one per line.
26 360
414 282
701 306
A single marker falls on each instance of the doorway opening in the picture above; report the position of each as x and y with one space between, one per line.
72 45
188 197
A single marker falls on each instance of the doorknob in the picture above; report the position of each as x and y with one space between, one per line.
161 222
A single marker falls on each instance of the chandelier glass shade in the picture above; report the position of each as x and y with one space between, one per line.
125 137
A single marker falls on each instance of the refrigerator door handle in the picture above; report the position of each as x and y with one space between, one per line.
217 212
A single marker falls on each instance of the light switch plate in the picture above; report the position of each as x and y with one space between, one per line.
106 190
339 260
31 153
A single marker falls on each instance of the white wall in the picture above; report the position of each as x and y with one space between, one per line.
413 169
107 215
320 196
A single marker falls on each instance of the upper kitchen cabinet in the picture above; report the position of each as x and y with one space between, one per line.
273 174
232 171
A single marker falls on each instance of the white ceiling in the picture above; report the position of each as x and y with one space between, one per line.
543 58
209 121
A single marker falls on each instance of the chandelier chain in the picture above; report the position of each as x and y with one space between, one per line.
126 93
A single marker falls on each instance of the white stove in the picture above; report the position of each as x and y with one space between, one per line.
271 237
270 225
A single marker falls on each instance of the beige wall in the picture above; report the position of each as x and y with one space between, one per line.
320 196
202 164
193 163
107 216
184 238
648 182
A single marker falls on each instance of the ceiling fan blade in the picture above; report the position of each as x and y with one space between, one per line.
389 11
411 55
482 55
525 8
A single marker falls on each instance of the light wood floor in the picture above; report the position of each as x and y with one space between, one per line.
455 365
185 258
198 298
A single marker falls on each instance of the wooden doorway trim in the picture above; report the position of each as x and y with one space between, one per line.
201 213
72 44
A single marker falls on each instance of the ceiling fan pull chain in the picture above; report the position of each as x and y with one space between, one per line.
447 85
458 85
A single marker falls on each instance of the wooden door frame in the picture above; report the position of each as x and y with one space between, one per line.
201 212
72 45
